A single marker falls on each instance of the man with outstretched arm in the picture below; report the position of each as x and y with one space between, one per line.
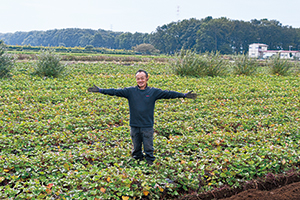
141 99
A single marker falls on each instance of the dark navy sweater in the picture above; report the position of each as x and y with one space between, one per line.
142 102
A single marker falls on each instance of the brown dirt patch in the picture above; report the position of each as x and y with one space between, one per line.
271 187
288 192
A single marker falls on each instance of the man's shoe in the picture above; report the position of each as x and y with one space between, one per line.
149 162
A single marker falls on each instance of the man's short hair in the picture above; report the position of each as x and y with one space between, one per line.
141 70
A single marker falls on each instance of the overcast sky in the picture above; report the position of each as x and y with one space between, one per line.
136 15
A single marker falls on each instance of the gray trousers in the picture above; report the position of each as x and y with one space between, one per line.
142 137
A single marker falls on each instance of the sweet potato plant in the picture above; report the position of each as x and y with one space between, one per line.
59 141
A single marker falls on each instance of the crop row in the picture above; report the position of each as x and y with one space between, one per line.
57 140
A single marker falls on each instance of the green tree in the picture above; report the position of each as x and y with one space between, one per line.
208 34
98 40
166 38
214 35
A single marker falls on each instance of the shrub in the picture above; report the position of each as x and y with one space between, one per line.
280 66
48 64
146 49
6 61
243 65
188 63
89 47
296 68
216 65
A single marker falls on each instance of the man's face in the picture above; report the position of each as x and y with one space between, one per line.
141 80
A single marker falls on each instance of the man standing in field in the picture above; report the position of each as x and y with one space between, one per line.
141 99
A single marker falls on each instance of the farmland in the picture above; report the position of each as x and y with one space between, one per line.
59 141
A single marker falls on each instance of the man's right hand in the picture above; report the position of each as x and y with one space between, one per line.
94 89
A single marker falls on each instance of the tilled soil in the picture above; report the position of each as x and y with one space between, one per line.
288 192
272 187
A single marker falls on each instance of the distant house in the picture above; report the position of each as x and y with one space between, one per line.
258 50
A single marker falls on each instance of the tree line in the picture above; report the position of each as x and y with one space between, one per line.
208 34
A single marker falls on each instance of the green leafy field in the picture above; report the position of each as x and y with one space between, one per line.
59 141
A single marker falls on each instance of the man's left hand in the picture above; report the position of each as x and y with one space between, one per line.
190 95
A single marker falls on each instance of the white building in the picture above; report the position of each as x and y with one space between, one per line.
258 50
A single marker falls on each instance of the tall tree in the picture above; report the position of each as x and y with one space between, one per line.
208 34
